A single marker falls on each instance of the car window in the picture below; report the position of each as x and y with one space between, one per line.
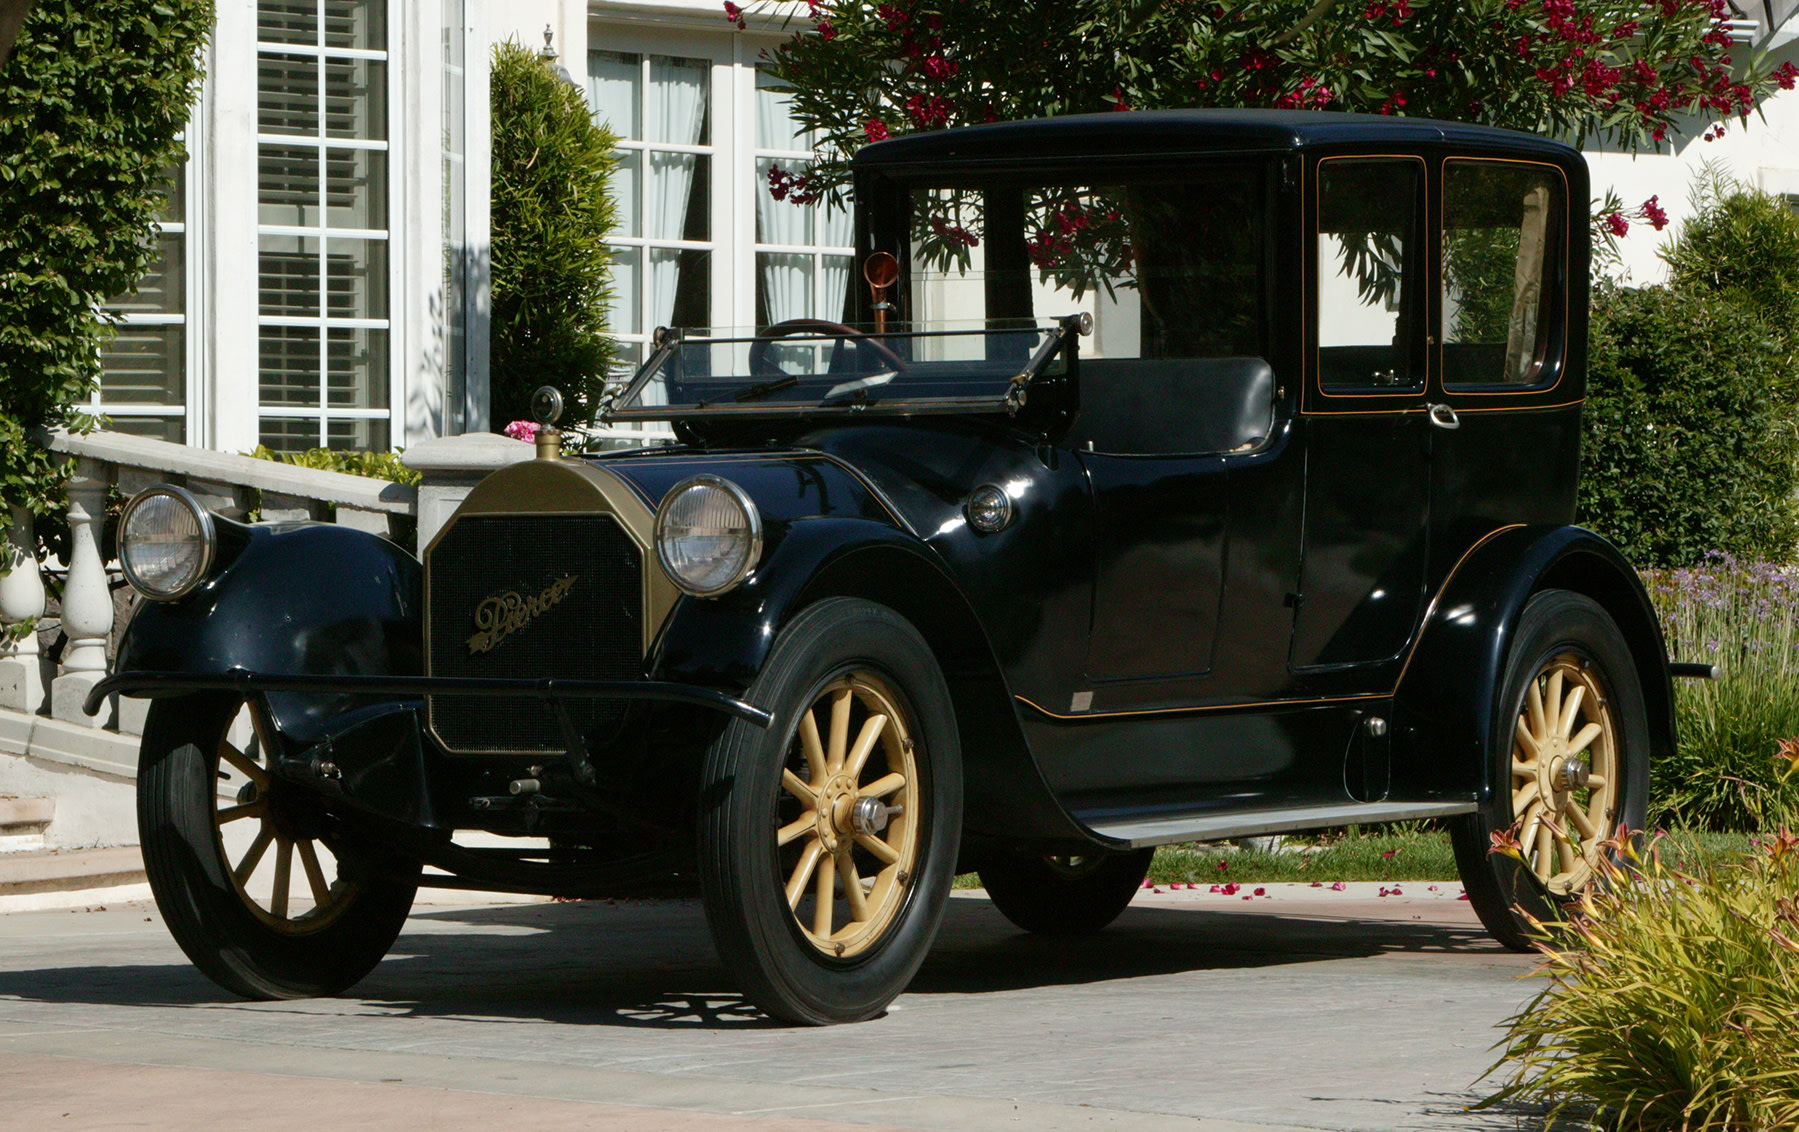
1367 291
1502 251
1170 265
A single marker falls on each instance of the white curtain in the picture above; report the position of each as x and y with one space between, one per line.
677 111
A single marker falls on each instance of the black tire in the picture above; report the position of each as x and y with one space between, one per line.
257 952
1062 895
1561 630
838 650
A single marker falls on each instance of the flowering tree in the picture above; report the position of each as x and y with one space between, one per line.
1621 70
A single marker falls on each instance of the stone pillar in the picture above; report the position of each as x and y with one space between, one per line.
451 466
86 600
21 600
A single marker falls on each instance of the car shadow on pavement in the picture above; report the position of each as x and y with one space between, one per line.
651 964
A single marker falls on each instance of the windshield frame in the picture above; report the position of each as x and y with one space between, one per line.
1058 342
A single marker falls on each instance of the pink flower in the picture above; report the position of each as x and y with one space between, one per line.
826 31
1339 887
937 67
1215 888
522 430
1261 892
1147 883
1617 224
1317 884
1787 76
1654 213
875 129
1461 896
734 14
1223 866
1389 854
1432 888
1231 889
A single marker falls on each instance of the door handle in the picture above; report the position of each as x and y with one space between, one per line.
1443 416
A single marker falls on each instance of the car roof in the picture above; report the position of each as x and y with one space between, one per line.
1152 133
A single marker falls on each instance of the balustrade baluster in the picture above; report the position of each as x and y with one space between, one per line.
86 600
21 601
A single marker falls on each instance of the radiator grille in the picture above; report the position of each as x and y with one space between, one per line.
535 623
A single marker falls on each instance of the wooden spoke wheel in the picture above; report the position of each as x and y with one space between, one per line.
281 856
852 845
1569 764
1564 773
1054 894
828 845
249 871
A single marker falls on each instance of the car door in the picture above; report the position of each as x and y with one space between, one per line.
1368 440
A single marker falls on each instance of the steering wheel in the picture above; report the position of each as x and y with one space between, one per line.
761 366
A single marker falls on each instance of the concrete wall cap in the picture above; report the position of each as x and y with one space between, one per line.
470 452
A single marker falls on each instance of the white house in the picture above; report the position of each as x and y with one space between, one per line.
324 270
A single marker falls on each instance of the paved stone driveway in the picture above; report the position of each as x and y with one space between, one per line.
1307 1011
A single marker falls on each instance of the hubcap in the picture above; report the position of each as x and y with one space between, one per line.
1564 773
845 825
265 881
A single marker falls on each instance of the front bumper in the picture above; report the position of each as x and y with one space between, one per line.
552 691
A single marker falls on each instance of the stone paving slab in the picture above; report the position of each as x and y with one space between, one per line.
1295 1011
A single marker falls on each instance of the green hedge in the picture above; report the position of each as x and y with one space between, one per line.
1691 439
90 105
551 215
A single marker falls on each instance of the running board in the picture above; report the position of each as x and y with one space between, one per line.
1141 833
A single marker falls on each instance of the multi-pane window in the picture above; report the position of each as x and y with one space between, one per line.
322 155
660 107
143 380
1501 259
803 250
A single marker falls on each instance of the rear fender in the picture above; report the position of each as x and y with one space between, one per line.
307 599
1446 708
725 641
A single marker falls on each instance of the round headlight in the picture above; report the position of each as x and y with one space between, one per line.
708 535
166 542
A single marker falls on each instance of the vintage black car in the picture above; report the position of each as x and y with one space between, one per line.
1171 477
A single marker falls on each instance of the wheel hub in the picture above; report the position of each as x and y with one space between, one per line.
836 806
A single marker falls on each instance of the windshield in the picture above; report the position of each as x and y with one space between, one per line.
824 367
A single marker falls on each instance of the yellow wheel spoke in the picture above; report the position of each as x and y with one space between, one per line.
1525 795
840 730
264 838
814 750
1587 734
284 877
1552 705
882 786
1581 821
1533 710
888 854
798 789
1571 712
802 872
315 876
797 828
824 898
865 744
1565 850
243 764
1532 816
254 809
1525 739
1595 780
1545 851
852 891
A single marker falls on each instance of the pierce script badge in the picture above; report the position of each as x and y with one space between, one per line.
504 614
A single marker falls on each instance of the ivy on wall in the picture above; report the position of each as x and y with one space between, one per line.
91 105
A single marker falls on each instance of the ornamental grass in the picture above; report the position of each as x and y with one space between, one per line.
1673 999
1728 772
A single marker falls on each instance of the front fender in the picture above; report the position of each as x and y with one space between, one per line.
308 599
1446 705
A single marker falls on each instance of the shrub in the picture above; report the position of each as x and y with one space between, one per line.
375 465
1689 440
1743 244
90 105
1671 1000
551 216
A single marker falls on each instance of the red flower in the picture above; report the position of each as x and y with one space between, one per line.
1231 889
1617 224
1118 103
1389 854
895 18
1261 892
1224 866
734 15
826 30
875 129
937 67
1786 75
1654 213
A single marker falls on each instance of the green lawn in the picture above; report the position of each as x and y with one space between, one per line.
1385 855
